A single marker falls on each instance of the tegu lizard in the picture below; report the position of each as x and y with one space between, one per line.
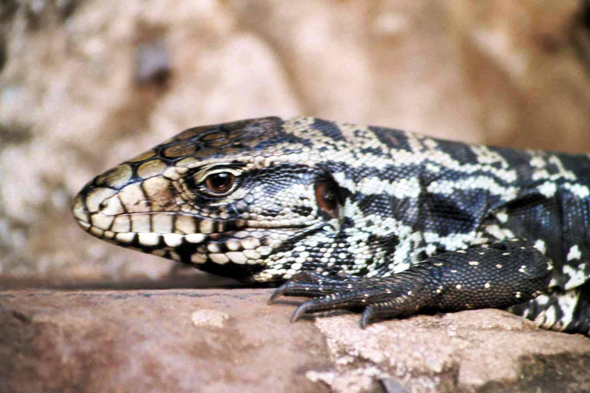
364 218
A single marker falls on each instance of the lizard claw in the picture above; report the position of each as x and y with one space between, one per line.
280 291
368 313
302 309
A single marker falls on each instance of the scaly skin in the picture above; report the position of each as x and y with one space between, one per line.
357 217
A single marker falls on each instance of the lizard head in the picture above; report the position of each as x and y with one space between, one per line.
251 199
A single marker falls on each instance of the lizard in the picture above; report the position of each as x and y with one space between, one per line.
369 219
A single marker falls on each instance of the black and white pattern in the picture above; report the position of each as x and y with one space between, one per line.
360 217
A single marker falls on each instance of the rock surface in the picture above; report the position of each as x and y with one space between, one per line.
231 341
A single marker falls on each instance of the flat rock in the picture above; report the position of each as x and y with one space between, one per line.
229 340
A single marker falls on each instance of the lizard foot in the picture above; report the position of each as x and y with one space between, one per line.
494 275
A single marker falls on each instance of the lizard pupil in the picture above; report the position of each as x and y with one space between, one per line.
220 183
326 198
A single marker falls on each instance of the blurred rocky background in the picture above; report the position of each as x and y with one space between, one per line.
86 84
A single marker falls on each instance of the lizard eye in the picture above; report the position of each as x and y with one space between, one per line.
220 183
326 197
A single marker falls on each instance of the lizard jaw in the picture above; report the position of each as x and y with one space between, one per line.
205 243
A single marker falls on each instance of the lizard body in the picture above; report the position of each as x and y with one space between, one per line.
357 217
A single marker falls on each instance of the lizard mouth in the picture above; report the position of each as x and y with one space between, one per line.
187 238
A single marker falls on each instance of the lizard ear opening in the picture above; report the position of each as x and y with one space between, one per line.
326 195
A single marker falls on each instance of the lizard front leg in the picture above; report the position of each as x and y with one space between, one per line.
494 275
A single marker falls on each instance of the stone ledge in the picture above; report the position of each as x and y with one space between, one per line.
212 340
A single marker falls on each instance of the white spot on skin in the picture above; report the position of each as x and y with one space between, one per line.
576 275
578 190
149 239
567 304
546 319
121 224
233 245
473 183
84 225
499 233
542 300
250 243
213 247
251 254
219 258
206 226
458 286
341 178
518 295
237 257
185 224
403 188
574 253
195 238
162 223
430 249
102 221
499 266
172 173
487 285
125 237
548 189
264 250
131 197
172 239
502 217
474 263
487 156
141 223
541 246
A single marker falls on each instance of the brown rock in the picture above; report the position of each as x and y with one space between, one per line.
231 340
168 341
